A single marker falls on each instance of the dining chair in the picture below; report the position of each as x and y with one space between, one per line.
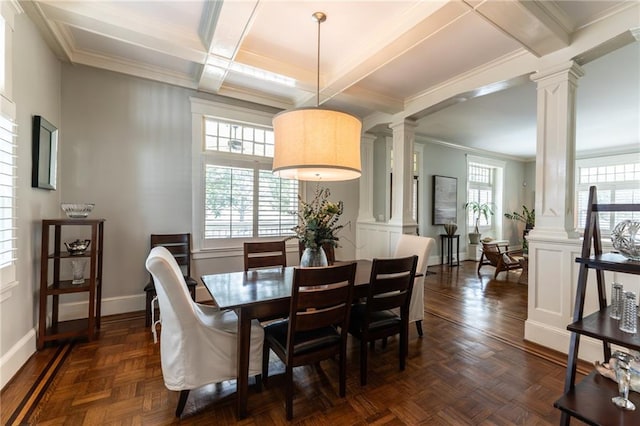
317 325
507 260
390 287
198 343
180 247
264 254
420 246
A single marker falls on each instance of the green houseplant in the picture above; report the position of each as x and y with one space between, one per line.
528 217
318 226
479 210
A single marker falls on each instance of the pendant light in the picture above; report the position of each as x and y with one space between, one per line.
314 143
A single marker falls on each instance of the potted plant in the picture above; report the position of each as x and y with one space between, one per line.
528 217
479 210
318 227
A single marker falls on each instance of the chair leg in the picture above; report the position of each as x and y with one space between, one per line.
404 345
384 342
343 370
289 392
419 327
258 383
147 311
182 401
363 361
265 362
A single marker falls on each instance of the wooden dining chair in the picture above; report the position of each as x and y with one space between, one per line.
317 325
507 260
264 254
390 287
179 245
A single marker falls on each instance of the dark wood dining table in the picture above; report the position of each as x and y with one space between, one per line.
262 294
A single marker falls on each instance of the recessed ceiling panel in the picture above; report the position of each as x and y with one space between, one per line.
286 32
465 44
92 44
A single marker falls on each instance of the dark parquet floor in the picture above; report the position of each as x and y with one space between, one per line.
472 367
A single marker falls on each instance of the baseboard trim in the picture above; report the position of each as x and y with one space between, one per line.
116 305
17 356
557 339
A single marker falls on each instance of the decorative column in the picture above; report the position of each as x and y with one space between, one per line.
555 151
365 211
402 169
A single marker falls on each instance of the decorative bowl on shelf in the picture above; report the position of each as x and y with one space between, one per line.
450 228
77 247
77 210
625 238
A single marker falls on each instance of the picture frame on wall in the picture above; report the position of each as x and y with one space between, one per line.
445 200
44 154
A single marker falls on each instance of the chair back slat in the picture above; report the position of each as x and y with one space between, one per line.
179 245
264 254
313 319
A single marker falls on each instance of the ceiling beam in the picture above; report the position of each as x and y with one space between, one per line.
539 27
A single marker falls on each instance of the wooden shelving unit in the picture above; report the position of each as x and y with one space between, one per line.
54 287
590 399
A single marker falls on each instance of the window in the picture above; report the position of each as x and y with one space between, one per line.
240 198
480 189
8 172
618 181
485 184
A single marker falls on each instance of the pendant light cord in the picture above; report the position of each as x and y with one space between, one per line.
319 17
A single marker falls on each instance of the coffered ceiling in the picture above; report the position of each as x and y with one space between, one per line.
380 60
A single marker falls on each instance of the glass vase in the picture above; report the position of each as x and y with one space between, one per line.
313 257
625 238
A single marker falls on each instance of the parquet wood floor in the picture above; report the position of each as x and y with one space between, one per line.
472 367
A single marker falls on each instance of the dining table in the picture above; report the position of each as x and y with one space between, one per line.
262 294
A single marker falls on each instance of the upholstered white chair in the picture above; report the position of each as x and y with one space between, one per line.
420 246
198 343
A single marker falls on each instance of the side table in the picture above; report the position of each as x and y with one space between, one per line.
449 239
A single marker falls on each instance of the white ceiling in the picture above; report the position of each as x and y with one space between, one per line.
380 60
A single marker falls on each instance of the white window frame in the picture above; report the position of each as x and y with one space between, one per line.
8 11
498 166
606 219
200 109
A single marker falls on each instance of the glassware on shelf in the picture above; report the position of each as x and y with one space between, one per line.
629 320
77 266
625 238
616 301
623 377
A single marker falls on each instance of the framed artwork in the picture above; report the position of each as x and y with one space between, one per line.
445 200
44 153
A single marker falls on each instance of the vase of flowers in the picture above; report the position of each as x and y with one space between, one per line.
317 227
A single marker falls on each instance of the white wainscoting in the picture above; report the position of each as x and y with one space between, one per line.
553 277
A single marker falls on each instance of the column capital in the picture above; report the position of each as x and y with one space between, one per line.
406 122
571 69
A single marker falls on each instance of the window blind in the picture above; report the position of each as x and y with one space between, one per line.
7 192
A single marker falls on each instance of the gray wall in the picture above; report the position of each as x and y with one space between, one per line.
36 91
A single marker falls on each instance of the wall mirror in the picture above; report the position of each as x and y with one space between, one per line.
44 153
